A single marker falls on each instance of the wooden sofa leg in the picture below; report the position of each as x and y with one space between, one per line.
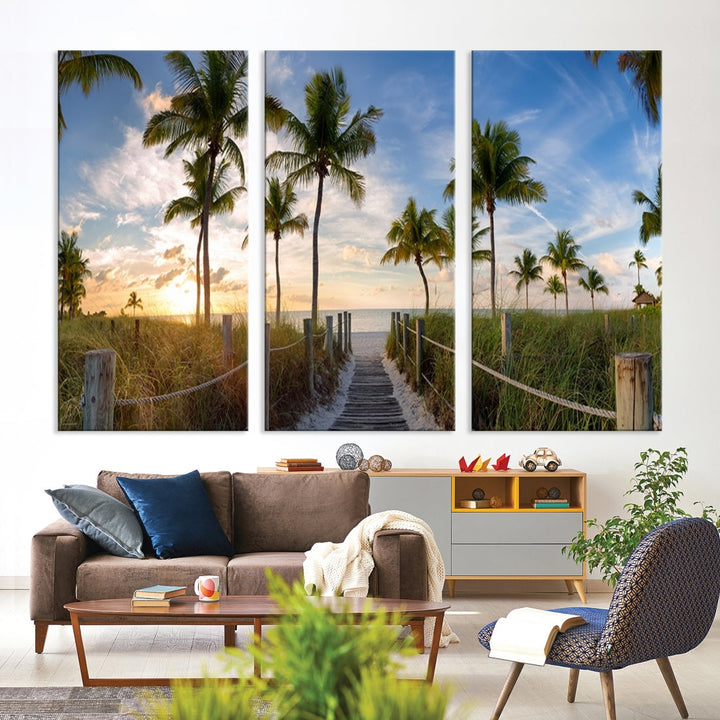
41 631
507 689
671 682
608 688
572 684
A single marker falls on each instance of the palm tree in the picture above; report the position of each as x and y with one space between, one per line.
280 204
527 271
638 260
658 275
595 283
416 237
554 286
192 205
646 67
134 302
89 70
208 113
563 256
652 217
500 173
324 147
72 271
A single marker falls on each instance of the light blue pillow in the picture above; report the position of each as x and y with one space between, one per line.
177 515
110 523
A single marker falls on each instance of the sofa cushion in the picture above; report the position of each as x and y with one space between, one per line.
291 512
106 576
217 486
177 515
246 573
110 523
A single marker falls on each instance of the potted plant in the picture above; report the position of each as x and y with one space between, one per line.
322 666
657 475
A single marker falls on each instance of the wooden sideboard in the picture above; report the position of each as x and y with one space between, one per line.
511 541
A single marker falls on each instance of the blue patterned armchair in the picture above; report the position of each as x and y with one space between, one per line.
664 604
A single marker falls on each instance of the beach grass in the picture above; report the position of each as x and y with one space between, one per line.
438 382
160 357
571 357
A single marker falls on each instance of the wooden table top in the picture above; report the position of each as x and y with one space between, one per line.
249 606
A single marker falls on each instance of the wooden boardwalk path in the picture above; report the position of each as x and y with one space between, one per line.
370 403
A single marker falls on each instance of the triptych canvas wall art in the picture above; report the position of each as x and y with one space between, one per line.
359 235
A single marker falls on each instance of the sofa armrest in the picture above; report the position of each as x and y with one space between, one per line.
400 565
55 554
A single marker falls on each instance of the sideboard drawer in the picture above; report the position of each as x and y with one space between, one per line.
539 526
509 560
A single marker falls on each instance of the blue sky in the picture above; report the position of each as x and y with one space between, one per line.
592 146
414 146
113 191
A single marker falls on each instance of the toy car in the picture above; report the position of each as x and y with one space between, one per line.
542 456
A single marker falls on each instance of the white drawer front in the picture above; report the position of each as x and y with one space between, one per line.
539 526
510 560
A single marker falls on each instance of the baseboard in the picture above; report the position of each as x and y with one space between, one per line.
16 582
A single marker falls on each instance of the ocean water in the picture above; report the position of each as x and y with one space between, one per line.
362 320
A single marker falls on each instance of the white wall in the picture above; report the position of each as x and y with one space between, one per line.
36 456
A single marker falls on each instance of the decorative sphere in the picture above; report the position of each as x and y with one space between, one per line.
348 456
541 493
386 465
478 494
364 465
376 463
554 493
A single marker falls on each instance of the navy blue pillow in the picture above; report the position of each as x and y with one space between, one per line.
177 515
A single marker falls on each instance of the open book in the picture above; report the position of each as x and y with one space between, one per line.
527 634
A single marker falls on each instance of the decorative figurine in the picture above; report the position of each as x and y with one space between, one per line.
542 456
495 501
467 467
502 462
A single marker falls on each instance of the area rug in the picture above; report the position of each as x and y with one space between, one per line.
73 703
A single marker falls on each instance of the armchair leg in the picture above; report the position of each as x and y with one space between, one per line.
41 631
608 688
572 684
507 689
671 682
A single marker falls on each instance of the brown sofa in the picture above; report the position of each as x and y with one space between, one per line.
270 519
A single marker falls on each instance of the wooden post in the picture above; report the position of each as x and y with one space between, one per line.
405 338
267 375
329 337
340 333
348 331
607 324
634 391
308 331
506 340
99 396
419 351
137 334
227 351
345 339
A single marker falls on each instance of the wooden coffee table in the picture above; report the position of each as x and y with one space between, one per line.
233 610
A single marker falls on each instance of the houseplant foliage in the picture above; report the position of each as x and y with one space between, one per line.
656 479
323 667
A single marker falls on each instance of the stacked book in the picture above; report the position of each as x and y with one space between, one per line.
550 502
156 595
299 465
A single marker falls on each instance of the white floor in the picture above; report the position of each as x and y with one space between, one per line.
540 693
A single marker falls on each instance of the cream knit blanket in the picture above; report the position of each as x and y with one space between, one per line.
344 568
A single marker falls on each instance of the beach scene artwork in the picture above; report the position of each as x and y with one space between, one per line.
566 247
152 236
359 228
